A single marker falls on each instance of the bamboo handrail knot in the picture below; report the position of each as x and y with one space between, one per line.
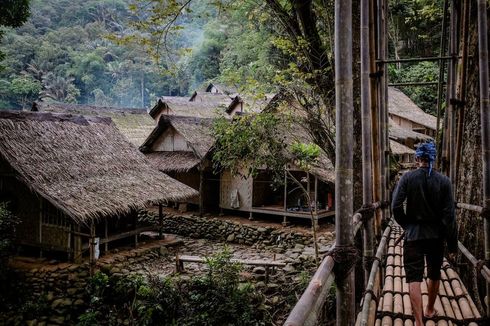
369 260
485 213
367 212
345 259
373 295
480 264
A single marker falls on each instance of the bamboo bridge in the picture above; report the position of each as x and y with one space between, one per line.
385 299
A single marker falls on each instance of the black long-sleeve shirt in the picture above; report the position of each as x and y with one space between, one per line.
429 210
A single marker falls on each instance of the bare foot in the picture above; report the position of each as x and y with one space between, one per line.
431 313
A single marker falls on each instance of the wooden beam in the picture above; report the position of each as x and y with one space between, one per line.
106 227
201 188
127 234
160 221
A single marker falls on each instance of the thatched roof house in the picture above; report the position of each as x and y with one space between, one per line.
134 124
405 136
180 146
178 143
404 112
80 169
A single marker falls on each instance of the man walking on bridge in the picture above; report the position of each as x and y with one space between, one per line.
429 222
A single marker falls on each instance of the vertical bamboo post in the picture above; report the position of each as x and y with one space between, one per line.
316 202
453 50
367 184
77 245
91 245
382 101
285 220
106 235
40 227
135 225
375 115
385 127
485 123
442 64
461 88
160 221
201 188
344 154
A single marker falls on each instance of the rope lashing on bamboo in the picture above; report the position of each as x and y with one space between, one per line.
368 261
373 295
367 212
479 321
345 259
485 213
480 264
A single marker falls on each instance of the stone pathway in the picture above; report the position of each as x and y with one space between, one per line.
165 265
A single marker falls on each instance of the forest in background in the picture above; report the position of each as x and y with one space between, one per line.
91 52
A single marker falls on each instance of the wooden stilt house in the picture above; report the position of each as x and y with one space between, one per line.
180 147
73 178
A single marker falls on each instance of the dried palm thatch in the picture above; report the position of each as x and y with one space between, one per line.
400 134
250 103
180 106
400 149
82 165
401 105
221 89
173 161
134 124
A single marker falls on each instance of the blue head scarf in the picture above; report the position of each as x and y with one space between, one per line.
428 152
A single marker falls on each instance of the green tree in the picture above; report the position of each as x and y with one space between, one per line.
13 13
26 89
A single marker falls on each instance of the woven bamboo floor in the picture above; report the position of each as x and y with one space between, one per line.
454 304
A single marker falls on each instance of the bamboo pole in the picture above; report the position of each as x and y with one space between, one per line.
442 65
376 168
485 124
364 316
461 89
382 102
367 155
160 221
201 189
344 154
453 49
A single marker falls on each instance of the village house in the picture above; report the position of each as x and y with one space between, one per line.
72 179
180 147
405 113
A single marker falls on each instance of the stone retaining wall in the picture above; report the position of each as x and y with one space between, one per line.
61 288
282 238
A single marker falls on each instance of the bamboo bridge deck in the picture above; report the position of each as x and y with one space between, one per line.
454 305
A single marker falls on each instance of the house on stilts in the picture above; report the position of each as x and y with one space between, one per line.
71 178
180 147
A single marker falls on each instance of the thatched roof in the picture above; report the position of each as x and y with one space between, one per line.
82 165
134 124
215 99
221 88
400 149
173 161
197 134
400 134
401 105
181 106
250 103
